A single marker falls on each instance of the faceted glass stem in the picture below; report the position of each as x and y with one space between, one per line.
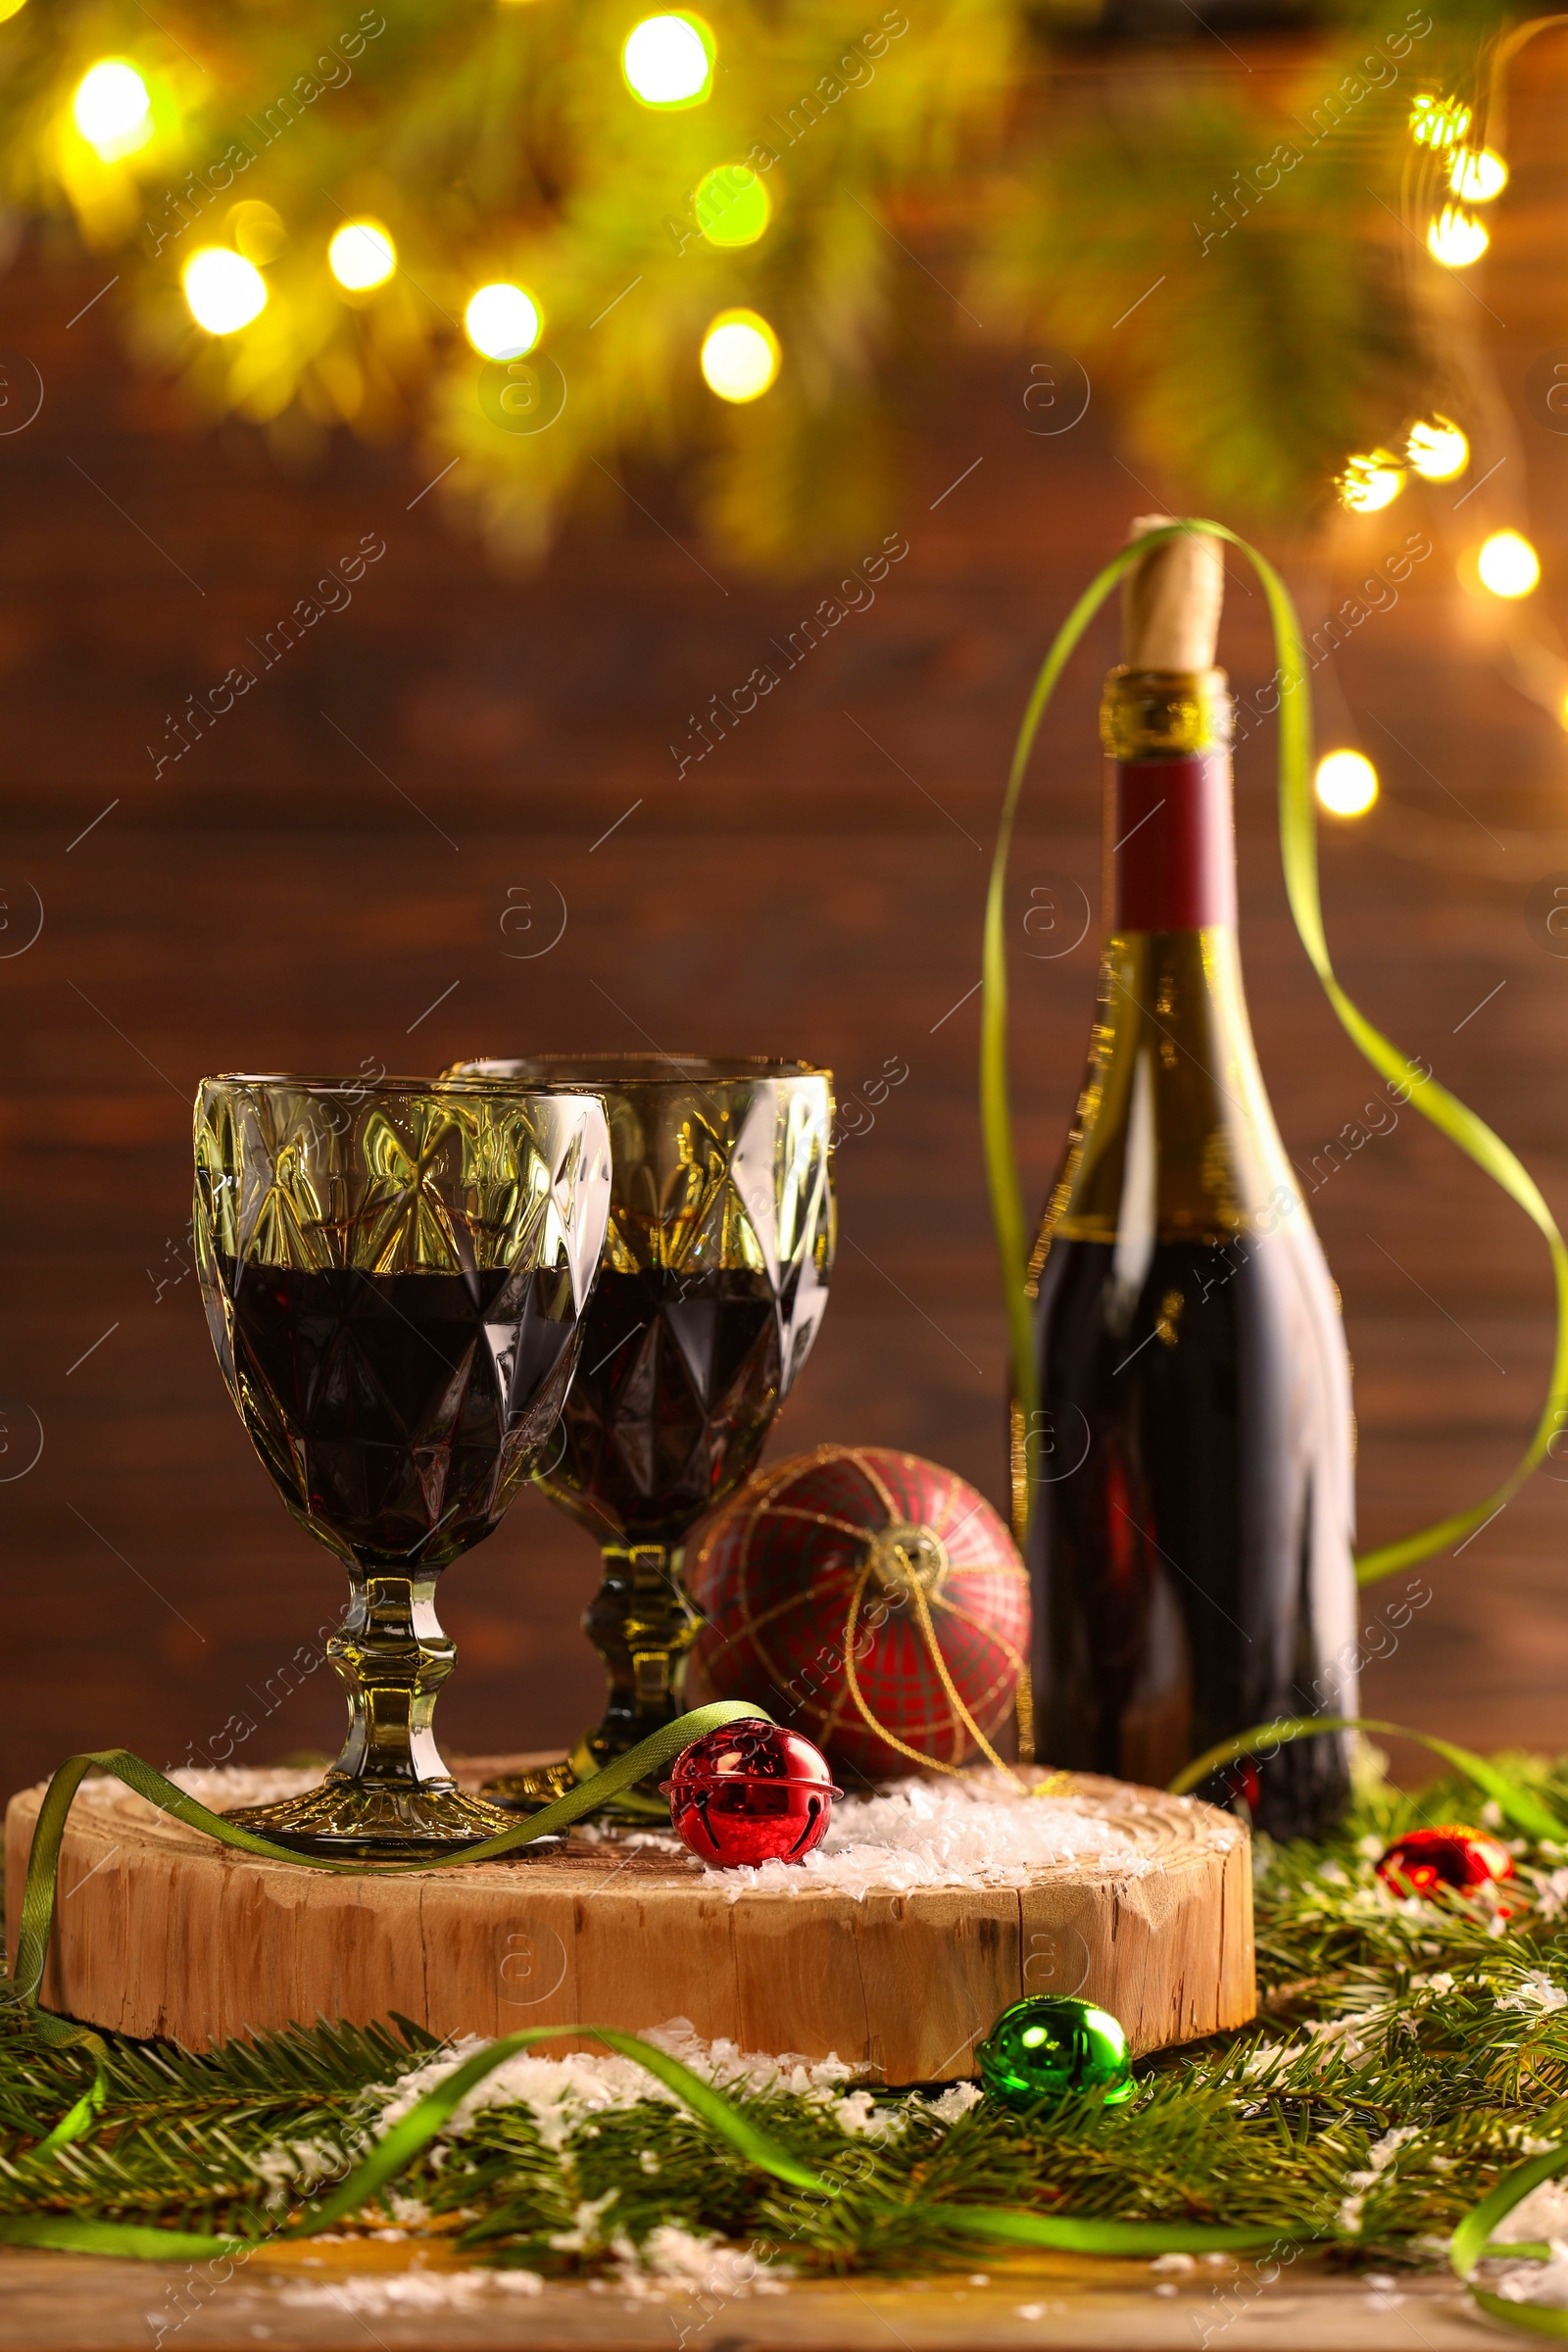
392 1656
642 1625
389 1792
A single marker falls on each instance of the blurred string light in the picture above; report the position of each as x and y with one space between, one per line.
362 255
1438 450
1455 238
1371 481
225 290
1508 565
1346 782
740 356
668 60
503 321
733 207
1438 122
1478 177
111 109
258 231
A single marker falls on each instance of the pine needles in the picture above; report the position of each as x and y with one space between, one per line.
1405 2055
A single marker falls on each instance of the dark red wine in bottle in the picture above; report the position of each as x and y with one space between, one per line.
1190 1492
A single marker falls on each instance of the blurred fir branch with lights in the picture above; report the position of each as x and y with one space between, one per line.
1237 258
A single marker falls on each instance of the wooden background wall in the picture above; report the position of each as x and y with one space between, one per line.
323 882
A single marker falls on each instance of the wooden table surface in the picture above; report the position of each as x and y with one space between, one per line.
64 2303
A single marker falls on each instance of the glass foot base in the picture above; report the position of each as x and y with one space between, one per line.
351 1821
640 1806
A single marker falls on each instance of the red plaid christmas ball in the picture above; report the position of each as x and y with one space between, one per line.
870 1600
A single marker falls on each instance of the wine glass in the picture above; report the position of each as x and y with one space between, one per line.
395 1278
716 1263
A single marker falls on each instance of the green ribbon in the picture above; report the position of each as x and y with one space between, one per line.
40 1885
1473 2238
1299 855
756 2149
1525 1810
393 2153
1472 2241
659 1749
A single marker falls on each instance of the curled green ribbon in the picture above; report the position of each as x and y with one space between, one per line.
1472 2242
1520 1804
650 1755
1299 855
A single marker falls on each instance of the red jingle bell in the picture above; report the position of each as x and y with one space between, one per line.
750 1791
1450 1858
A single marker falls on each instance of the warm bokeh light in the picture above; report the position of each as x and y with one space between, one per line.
362 255
1478 177
9 8
1438 122
503 321
1508 565
668 60
111 109
225 290
733 206
1347 783
1455 239
1371 481
258 231
1438 450
740 356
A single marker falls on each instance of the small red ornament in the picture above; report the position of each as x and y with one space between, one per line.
750 1791
1434 1862
873 1599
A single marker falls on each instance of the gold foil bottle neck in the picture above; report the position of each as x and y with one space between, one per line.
1164 713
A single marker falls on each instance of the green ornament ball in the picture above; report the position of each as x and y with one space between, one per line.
1049 2046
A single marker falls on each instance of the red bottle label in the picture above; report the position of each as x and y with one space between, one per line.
1173 847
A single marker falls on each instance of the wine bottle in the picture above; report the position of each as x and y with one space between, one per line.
1189 1498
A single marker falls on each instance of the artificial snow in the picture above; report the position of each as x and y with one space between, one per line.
1543 2214
1380 2156
1541 2282
415 2291
219 1790
1535 1994
561 2093
985 1830
672 2258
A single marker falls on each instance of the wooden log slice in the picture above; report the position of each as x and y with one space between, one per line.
160 1932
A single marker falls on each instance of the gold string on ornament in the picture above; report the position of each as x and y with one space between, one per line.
752 1623
934 1649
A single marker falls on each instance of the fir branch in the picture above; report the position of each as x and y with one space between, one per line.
1406 2054
1256 320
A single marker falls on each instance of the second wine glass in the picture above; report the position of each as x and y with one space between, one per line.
714 1280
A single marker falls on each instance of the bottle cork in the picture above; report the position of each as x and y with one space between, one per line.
1170 601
